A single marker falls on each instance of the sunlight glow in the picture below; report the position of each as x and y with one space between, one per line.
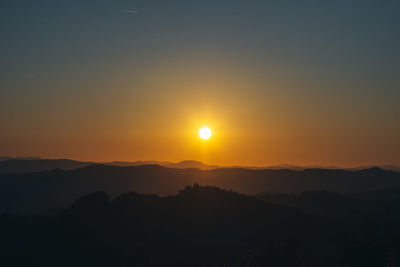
205 133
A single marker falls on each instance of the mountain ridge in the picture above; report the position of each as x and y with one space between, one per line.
56 188
31 164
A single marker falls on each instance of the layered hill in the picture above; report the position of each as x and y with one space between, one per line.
38 191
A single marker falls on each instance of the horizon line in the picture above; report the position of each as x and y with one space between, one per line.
146 162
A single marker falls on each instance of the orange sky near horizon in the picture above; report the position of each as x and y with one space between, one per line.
283 126
277 82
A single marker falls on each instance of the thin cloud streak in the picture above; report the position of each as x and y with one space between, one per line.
130 11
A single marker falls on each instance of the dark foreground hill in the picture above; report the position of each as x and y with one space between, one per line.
200 226
42 191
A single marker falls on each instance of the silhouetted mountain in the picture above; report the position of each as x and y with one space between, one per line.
136 163
187 164
18 158
20 165
210 209
42 191
375 207
391 168
31 164
203 226
320 202
38 165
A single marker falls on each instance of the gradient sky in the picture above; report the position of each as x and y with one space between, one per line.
300 82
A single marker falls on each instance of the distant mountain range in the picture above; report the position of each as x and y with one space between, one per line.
45 190
20 158
38 165
32 164
186 164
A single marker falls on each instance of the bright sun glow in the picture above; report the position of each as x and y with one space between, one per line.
205 133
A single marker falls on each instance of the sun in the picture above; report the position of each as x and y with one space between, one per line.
205 133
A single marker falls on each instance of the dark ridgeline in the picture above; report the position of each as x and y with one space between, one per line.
24 165
8 165
55 189
102 215
208 226
30 164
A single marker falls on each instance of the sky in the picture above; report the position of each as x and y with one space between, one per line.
297 82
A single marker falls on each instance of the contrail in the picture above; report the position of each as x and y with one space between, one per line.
129 11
